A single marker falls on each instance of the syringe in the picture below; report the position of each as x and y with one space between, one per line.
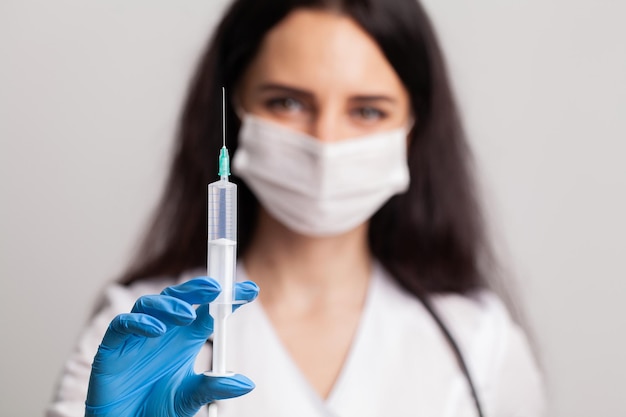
222 251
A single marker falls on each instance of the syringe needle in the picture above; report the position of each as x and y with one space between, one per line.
223 117
224 158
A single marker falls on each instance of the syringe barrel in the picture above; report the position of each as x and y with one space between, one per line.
222 236
223 210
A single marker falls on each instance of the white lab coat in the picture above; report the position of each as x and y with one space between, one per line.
398 365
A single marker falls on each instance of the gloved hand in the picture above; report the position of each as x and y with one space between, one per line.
144 365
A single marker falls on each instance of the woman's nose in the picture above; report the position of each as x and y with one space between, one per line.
327 126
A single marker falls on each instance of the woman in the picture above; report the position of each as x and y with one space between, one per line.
358 219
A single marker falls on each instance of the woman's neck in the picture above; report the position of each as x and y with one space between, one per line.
308 270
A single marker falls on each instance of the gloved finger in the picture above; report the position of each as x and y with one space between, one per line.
245 291
199 290
125 325
202 327
169 310
198 390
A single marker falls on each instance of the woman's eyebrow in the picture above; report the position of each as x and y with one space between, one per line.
373 97
360 98
285 89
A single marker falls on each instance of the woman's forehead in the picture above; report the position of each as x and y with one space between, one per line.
323 50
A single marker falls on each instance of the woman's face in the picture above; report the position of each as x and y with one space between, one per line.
319 73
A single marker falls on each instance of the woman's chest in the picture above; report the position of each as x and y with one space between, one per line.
386 367
317 344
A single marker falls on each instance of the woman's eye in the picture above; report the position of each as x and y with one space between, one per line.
369 113
285 104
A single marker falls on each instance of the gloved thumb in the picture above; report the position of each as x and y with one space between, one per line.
198 390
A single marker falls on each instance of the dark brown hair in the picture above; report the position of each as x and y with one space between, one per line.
431 238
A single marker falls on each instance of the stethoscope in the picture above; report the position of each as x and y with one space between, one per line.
457 353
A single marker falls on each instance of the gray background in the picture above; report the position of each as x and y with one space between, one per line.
90 93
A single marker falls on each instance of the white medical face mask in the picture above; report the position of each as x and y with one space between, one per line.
316 188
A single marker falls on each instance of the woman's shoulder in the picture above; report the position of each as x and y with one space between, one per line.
497 350
494 346
482 326
479 313
464 314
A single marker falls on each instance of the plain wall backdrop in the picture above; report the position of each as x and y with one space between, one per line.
90 93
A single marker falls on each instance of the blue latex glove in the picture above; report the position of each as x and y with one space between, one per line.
144 365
